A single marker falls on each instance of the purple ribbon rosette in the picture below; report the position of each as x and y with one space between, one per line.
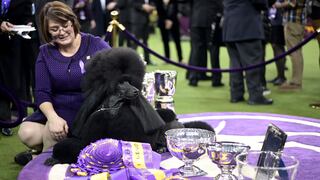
119 160
102 156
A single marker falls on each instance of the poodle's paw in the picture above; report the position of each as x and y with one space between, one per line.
162 150
51 161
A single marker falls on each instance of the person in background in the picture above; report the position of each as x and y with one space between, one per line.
12 12
205 21
169 25
30 49
314 14
141 9
82 8
184 10
59 69
123 7
124 18
243 34
278 43
267 33
100 16
294 23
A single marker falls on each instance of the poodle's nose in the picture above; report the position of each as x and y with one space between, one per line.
127 90
136 92
133 92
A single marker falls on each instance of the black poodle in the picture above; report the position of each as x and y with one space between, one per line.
115 108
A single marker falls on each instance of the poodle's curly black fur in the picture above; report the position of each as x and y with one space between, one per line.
106 72
112 66
105 113
103 72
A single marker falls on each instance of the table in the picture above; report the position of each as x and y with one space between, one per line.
303 139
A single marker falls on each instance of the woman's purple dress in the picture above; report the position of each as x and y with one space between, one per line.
58 78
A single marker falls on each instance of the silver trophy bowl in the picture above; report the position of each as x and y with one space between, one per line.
223 154
188 145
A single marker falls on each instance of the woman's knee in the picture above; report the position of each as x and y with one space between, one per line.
29 131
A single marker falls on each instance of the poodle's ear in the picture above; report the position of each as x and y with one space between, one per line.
167 115
198 124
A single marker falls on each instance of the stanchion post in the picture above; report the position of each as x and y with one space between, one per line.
113 27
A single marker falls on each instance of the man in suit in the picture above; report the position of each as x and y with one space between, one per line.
101 17
243 34
169 25
141 9
124 18
205 17
14 12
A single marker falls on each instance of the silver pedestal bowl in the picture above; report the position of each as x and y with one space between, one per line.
223 154
188 145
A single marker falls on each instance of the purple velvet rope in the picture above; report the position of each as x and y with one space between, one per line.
200 69
18 104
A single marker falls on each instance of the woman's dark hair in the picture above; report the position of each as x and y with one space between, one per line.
60 13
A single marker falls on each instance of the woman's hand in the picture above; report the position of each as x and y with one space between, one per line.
58 127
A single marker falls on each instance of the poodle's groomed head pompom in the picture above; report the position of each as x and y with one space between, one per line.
109 67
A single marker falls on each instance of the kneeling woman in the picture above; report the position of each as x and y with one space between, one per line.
59 69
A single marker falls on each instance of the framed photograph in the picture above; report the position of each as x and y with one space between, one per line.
275 140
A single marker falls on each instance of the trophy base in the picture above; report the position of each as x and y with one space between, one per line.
164 105
225 177
164 102
164 98
192 173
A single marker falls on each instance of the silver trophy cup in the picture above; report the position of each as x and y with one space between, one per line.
165 88
148 90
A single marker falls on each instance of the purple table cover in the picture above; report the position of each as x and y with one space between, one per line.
303 140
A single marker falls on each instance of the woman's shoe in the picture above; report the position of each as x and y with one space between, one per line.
25 157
